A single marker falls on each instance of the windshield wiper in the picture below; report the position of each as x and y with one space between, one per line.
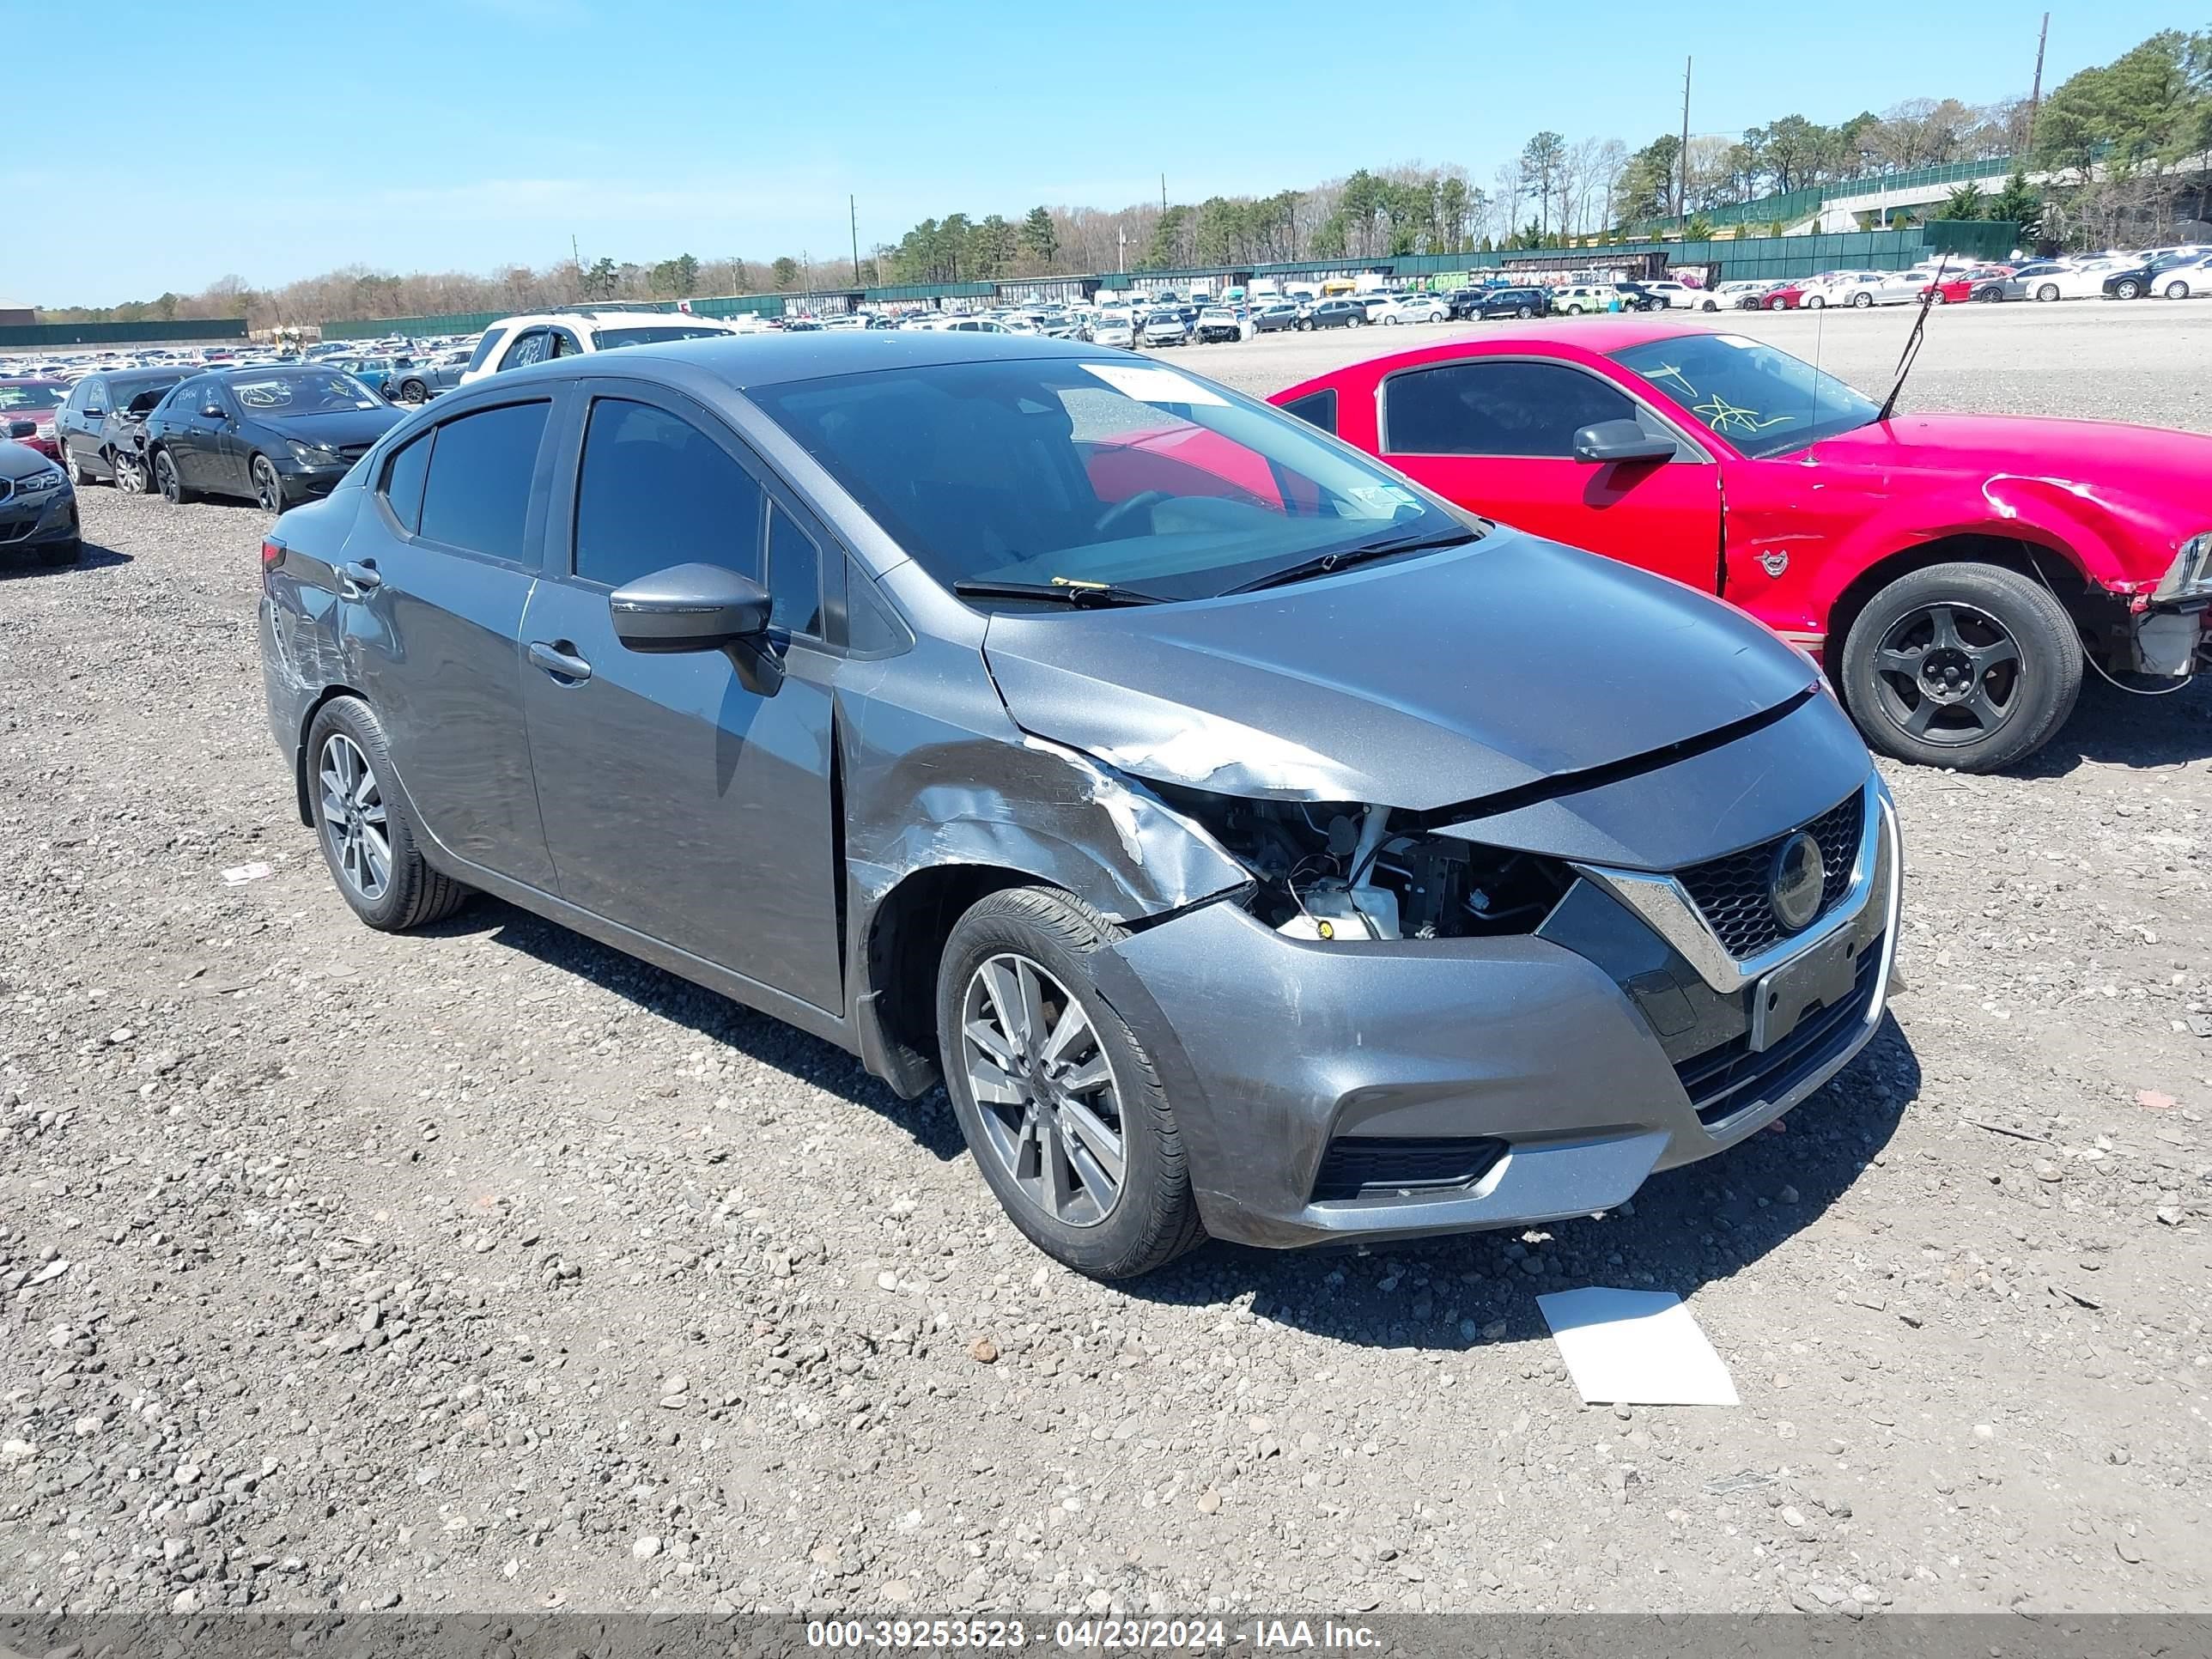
1059 591
1323 564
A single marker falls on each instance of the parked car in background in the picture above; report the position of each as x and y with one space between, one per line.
2085 281
377 372
1949 570
1958 288
1276 316
1680 296
1585 298
1339 312
2019 283
2191 280
954 701
2142 280
100 428
1414 309
417 380
517 341
1113 328
275 436
1483 303
1166 327
36 400
38 507
1639 296
1224 323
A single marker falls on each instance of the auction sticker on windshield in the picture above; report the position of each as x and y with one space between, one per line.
1148 385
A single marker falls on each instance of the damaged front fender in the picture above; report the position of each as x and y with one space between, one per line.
936 774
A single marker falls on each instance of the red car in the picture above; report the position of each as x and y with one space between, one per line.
36 402
1957 290
1788 297
1950 570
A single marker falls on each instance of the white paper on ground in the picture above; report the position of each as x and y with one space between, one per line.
1635 1348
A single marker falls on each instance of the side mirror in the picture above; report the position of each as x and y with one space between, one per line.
688 607
22 428
213 411
1604 442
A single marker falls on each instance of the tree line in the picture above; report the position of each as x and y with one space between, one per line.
2129 120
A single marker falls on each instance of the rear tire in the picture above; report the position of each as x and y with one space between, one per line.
78 475
414 391
2177 290
1041 939
1962 619
1862 301
354 810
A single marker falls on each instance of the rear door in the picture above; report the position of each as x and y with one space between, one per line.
449 547
687 797
1496 434
195 447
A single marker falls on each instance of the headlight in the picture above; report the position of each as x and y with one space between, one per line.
314 454
45 429
2190 576
39 482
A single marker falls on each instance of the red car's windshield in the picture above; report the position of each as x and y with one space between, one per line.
1762 400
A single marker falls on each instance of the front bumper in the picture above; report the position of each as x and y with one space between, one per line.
36 523
1540 1062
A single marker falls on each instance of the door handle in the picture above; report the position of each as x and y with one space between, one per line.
359 579
560 661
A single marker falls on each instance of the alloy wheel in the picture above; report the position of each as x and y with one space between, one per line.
129 473
165 480
1947 674
268 492
1043 1088
354 826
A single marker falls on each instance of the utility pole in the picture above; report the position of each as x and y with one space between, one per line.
2035 98
1121 248
575 255
853 207
1682 161
1164 193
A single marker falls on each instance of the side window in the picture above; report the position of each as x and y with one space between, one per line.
794 576
477 495
1315 409
1507 409
566 345
655 491
530 348
492 336
405 475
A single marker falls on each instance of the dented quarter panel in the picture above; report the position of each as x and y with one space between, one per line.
1412 684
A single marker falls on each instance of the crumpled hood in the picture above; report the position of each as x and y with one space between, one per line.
1419 683
338 428
2109 452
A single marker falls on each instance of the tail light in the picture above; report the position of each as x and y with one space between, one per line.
272 552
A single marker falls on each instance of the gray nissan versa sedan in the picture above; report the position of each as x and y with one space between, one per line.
1254 846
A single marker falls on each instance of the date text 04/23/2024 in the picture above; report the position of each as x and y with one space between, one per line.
1091 1635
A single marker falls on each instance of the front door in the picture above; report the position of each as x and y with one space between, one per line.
1497 434
687 797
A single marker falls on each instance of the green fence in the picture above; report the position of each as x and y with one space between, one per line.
102 334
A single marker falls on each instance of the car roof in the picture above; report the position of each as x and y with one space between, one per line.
758 359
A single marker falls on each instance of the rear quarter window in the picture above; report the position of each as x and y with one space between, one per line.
1315 409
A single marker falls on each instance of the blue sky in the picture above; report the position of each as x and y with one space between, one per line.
472 133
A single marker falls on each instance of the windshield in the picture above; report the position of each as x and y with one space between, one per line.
302 391
1763 401
33 394
1091 471
654 335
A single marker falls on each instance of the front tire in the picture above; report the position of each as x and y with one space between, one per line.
1815 302
362 822
268 487
414 391
1966 665
1862 301
2177 290
1060 1105
71 552
2127 291
2047 293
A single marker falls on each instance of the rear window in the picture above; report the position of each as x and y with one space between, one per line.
608 339
476 496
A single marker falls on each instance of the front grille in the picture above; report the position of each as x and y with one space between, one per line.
1357 1166
1729 1079
1731 892
7 489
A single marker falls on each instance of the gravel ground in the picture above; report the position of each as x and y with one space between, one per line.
487 1269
